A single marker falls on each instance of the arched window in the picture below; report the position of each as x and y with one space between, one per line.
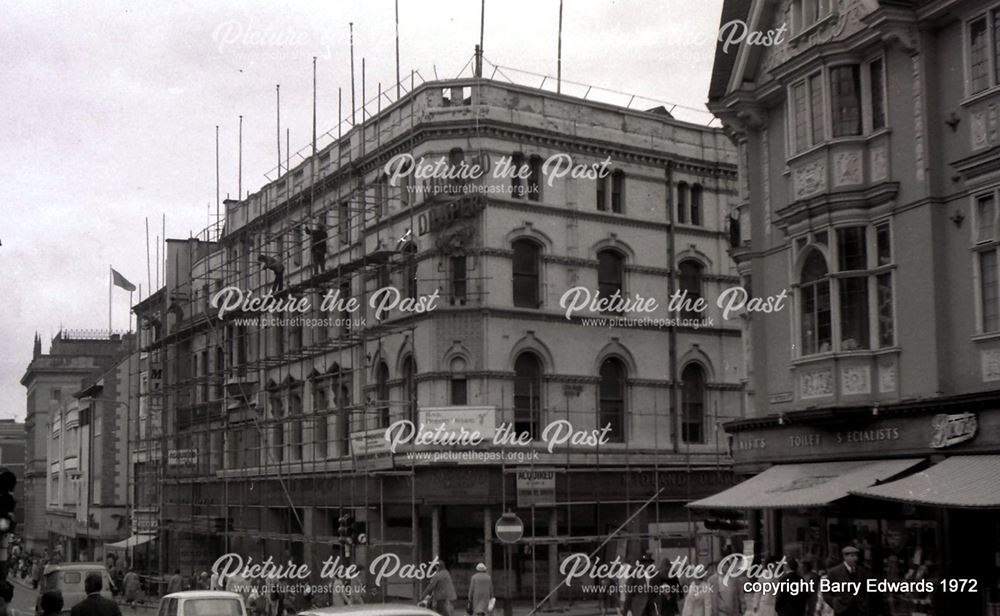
611 409
815 316
409 370
610 273
526 265
527 393
683 197
535 178
693 404
459 384
690 283
696 204
618 191
382 394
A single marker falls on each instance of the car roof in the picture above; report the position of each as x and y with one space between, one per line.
74 566
370 609
203 594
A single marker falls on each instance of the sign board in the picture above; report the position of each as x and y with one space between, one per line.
951 430
460 420
369 443
536 487
145 522
509 528
182 457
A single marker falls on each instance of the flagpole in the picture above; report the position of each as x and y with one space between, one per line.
110 280
130 311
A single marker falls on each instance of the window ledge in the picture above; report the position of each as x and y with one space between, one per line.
972 99
833 142
835 355
985 337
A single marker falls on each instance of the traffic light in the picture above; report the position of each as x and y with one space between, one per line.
345 528
7 502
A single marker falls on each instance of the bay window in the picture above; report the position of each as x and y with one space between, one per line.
986 242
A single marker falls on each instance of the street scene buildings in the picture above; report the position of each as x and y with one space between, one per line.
495 324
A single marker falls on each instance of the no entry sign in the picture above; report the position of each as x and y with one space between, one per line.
509 528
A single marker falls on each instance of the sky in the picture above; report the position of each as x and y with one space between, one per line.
108 113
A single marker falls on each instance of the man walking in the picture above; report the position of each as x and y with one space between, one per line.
440 590
847 602
176 582
132 587
95 604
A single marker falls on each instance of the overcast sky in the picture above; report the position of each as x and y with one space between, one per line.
108 114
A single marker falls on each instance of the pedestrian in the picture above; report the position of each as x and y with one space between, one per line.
727 594
480 592
36 573
51 603
6 598
846 602
176 582
203 582
276 266
698 601
440 591
640 599
792 602
132 587
317 239
95 604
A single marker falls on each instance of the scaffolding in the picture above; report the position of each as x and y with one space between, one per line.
248 421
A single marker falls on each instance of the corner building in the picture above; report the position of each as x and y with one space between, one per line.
292 435
868 153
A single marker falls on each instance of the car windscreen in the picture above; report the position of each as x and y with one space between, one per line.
212 607
72 577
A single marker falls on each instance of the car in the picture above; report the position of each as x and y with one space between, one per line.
68 579
370 609
202 603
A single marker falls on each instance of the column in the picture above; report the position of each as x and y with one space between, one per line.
435 531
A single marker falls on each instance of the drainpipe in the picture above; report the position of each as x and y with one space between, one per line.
671 285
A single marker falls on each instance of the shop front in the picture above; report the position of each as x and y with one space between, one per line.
916 490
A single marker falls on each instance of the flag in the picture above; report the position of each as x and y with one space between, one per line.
120 281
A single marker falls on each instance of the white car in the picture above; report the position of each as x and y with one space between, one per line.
370 609
202 603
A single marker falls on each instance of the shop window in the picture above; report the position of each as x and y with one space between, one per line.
526 268
690 283
612 398
610 274
693 404
527 393
459 384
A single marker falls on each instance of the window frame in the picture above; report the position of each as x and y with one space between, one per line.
537 274
979 246
685 405
620 414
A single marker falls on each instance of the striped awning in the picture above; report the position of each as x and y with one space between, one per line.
787 486
971 482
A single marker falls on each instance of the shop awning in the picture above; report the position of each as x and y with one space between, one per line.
805 485
130 542
958 481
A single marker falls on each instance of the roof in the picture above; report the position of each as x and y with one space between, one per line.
805 485
204 594
959 481
377 609
724 62
74 566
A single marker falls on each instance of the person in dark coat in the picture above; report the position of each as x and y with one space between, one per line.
95 604
317 246
176 582
480 591
788 604
277 267
51 603
440 590
846 603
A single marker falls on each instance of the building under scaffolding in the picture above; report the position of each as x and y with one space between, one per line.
264 435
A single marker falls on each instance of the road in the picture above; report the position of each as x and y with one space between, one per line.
24 603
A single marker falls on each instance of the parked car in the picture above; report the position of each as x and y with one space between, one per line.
68 579
202 603
370 609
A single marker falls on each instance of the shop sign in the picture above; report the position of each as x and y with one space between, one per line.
145 523
369 443
953 429
535 487
441 216
182 457
481 420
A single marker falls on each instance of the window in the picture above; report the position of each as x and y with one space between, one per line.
278 430
527 393
985 239
683 198
344 416
344 222
618 191
806 13
516 183
410 270
610 273
989 290
602 194
345 314
845 97
526 266
381 196
459 384
876 76
611 410
456 159
816 318
696 204
986 218
409 370
534 178
295 426
459 280
979 71
690 285
693 404
382 394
